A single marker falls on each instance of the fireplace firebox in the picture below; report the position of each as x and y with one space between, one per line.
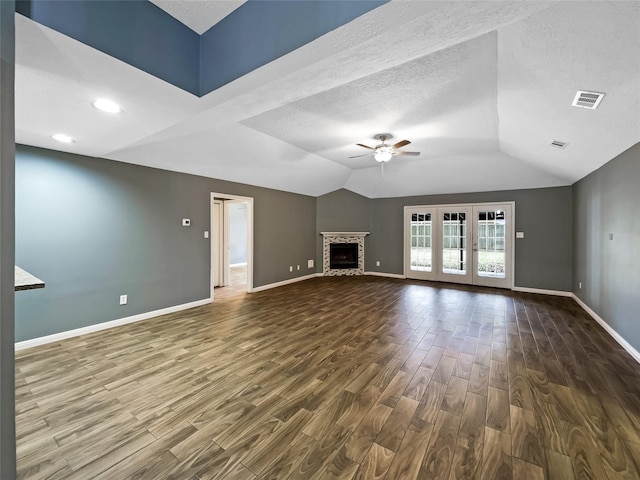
343 255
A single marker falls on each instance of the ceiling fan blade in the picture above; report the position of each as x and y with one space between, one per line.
364 146
365 155
407 153
401 143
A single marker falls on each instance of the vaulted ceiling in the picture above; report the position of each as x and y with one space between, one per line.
481 89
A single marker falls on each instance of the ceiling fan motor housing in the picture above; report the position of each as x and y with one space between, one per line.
383 137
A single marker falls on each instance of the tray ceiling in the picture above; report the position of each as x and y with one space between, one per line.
480 88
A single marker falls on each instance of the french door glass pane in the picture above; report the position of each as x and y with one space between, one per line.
454 243
421 255
491 244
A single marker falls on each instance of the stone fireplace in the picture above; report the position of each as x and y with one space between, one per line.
343 253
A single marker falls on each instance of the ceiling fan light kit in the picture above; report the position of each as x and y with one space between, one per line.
383 154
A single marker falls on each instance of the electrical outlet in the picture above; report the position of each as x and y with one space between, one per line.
580 285
206 234
309 263
611 236
377 263
291 268
186 222
123 299
298 267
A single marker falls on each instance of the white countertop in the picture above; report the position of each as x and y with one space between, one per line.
26 281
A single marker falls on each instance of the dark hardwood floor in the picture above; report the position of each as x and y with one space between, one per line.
337 378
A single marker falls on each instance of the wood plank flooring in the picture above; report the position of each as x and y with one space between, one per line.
237 283
337 378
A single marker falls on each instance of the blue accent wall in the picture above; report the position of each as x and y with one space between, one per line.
146 37
136 32
261 31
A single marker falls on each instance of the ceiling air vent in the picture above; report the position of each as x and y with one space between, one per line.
559 144
589 100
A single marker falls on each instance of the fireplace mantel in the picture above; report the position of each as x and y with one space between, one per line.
345 234
342 237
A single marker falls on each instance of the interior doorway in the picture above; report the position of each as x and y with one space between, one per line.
468 243
231 245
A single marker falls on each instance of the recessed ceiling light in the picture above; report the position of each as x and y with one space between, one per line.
106 105
61 137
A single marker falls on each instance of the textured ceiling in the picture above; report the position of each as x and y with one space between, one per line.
198 15
480 88
445 103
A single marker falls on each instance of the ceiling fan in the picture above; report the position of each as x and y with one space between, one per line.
384 152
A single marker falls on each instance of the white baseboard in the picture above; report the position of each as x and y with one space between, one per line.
383 274
285 282
56 337
616 336
558 293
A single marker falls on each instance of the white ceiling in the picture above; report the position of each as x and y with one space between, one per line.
198 15
480 89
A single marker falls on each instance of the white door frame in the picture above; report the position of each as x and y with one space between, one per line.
249 202
218 278
510 232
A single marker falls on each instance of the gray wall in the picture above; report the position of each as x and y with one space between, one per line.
94 229
7 139
284 235
237 233
543 257
606 202
341 211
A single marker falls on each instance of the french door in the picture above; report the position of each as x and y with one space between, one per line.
493 245
469 244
